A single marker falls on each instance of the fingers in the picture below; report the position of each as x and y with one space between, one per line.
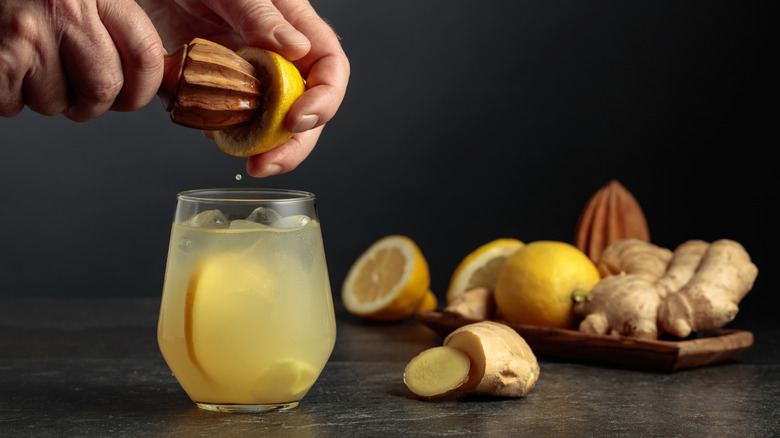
79 58
285 157
326 86
30 69
261 24
90 60
140 50
326 69
112 56
45 90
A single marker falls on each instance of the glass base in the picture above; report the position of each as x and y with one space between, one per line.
247 409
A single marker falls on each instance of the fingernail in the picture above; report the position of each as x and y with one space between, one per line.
305 123
288 36
270 170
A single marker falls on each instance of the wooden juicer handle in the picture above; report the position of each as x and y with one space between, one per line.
209 87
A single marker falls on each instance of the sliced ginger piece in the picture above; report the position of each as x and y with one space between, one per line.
485 357
437 372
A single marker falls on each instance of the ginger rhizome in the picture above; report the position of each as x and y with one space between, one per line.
648 290
711 298
477 303
626 300
500 364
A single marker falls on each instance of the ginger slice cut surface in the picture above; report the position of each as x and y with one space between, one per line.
437 372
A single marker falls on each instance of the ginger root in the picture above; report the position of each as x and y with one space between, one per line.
477 303
500 364
625 304
710 298
634 256
648 290
685 261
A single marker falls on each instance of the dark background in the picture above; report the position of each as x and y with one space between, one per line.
463 122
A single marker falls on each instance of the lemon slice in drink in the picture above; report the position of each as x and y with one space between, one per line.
225 295
480 268
389 281
282 85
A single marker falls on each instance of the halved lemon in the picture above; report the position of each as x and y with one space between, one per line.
225 294
282 84
389 281
480 268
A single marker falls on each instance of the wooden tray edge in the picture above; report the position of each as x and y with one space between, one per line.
662 355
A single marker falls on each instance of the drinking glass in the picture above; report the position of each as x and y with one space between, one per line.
246 321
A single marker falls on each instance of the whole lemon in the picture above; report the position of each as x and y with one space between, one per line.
535 285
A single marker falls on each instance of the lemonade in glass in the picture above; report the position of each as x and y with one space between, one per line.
246 321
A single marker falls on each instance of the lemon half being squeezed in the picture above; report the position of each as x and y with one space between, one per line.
281 84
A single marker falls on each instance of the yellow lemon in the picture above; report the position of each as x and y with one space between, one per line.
225 295
535 285
481 266
389 281
282 85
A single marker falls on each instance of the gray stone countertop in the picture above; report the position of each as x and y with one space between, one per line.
91 367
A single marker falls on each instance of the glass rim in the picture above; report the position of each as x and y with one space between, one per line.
244 195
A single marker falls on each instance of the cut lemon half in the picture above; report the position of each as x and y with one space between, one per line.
281 85
389 281
480 268
224 297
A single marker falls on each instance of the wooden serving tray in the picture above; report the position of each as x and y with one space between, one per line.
608 349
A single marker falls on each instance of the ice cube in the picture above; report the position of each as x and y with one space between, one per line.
208 219
295 221
241 224
264 215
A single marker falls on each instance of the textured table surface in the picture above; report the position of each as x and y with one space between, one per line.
91 367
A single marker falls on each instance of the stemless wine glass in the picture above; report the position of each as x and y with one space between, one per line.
246 320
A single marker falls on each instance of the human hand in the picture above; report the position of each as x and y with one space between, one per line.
289 27
79 58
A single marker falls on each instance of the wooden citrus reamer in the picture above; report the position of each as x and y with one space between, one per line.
209 87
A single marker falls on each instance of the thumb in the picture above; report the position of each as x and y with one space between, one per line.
260 24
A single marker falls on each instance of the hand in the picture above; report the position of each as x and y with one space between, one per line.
79 58
289 27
